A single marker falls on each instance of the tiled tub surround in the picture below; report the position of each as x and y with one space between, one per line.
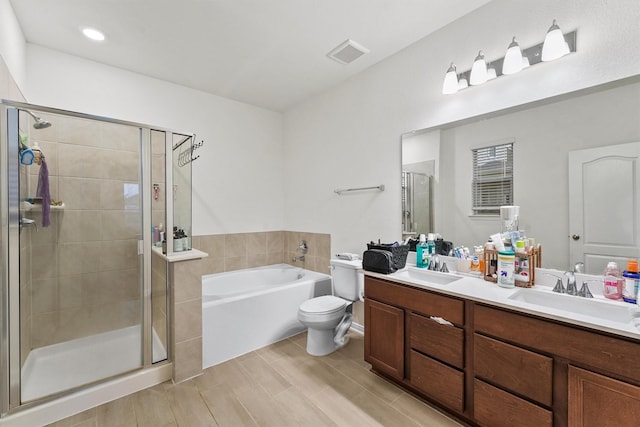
230 252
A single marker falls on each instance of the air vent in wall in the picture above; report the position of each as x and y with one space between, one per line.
347 52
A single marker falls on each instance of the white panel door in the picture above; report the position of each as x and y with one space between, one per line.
604 206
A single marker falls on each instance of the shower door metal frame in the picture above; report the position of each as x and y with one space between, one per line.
10 375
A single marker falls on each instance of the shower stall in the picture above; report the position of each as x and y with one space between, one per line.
83 295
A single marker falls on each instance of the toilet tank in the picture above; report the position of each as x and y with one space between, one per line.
348 279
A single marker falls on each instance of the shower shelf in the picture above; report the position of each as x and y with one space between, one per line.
26 206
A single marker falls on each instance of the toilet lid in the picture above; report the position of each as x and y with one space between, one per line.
323 304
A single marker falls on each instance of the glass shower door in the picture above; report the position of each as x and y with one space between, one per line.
80 262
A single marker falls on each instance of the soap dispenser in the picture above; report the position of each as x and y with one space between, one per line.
422 253
612 282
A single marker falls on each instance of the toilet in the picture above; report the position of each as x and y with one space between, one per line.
328 317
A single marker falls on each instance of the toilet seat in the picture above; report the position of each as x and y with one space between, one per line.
326 304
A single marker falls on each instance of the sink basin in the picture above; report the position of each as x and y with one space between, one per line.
434 277
611 311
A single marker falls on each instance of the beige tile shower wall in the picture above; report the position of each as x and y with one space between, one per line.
85 265
158 168
230 252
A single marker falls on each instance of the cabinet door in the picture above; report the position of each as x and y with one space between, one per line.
384 337
597 400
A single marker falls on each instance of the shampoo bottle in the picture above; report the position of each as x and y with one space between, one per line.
422 253
631 282
612 282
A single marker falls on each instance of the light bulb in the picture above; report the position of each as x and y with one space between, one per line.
513 59
555 46
491 73
450 84
478 70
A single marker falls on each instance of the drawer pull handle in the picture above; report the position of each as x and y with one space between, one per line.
440 320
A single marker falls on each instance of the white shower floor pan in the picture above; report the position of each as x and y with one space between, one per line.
59 367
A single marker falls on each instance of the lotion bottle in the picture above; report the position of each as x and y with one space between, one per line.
631 282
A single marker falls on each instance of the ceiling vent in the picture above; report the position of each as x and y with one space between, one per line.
347 52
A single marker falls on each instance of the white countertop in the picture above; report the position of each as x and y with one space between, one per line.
490 293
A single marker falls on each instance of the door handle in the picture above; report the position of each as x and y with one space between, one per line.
24 222
575 237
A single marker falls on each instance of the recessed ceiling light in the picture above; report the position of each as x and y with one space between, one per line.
93 34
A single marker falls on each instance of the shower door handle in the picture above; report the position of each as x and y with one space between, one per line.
24 222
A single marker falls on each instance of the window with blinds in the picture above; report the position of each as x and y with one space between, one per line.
492 184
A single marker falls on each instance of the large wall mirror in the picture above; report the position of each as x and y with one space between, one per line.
576 175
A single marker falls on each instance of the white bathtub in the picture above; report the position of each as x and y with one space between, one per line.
245 310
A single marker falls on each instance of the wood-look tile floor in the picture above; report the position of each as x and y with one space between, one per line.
279 385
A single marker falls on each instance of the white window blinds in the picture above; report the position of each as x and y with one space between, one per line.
492 184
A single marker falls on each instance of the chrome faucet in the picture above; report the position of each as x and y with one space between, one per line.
298 258
572 288
571 283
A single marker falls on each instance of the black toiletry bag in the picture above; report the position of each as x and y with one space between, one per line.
379 261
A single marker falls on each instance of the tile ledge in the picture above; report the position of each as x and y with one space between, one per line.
180 256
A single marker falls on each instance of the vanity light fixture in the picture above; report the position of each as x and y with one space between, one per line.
450 84
516 59
554 46
513 59
478 70
93 34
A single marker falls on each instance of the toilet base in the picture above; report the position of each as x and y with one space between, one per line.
321 342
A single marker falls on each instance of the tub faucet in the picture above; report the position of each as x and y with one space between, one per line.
297 258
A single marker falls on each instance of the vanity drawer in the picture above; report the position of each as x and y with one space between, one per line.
418 300
443 342
438 381
518 370
495 408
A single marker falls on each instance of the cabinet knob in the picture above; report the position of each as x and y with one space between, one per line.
575 237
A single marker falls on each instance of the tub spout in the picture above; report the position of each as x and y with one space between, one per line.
297 258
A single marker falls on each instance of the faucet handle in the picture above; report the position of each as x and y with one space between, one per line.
559 287
584 291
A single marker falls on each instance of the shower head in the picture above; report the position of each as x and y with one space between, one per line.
40 123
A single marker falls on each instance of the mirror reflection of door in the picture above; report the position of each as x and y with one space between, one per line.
604 205
417 202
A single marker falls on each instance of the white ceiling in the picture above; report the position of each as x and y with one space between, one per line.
268 53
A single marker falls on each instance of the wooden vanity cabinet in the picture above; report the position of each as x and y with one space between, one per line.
560 374
430 358
497 367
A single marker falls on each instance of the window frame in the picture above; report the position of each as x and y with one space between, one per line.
495 179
